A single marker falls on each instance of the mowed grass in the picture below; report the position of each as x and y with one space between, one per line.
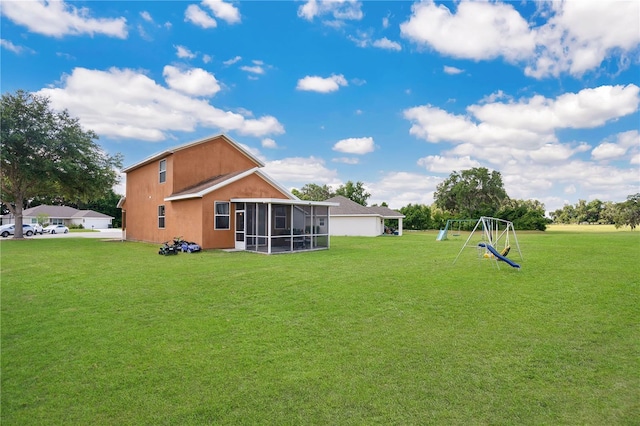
373 331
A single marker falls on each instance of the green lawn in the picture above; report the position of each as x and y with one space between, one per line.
373 331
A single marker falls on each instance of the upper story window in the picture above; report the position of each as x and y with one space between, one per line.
163 171
221 213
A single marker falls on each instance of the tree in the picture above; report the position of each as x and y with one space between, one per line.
354 192
43 152
417 216
471 193
525 214
629 212
313 192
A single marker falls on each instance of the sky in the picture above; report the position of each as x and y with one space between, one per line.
397 95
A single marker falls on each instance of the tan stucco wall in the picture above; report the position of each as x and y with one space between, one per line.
204 161
252 186
193 219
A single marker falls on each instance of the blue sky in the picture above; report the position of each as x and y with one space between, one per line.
394 94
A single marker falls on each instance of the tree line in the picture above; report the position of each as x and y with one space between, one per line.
625 213
470 194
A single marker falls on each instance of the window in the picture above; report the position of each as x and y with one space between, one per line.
280 217
221 215
163 171
57 221
161 217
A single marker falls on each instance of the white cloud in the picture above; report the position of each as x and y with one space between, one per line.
6 44
183 52
207 58
146 16
586 109
58 19
255 69
355 145
232 60
225 11
576 37
269 143
439 164
128 104
399 189
297 171
346 160
199 17
340 10
320 84
615 150
452 70
385 43
579 36
193 81
519 139
476 31
385 22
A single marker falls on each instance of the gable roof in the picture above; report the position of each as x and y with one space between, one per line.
174 149
203 188
349 207
386 212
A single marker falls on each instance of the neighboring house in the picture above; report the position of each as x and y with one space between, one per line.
62 215
353 219
214 193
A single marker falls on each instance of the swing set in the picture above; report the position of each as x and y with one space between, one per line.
491 238
455 226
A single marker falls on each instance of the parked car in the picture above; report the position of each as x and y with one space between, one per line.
37 228
10 229
56 229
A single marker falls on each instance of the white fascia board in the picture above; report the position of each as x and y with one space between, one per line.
356 215
210 189
284 201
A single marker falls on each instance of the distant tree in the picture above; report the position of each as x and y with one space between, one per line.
525 214
471 193
629 212
417 217
313 192
44 152
354 192
609 213
105 205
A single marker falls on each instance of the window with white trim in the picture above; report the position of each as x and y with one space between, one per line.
163 171
221 215
161 217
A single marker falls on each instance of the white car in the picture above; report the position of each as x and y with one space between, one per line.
10 229
56 229
37 228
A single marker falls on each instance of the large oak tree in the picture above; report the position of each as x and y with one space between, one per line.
45 152
471 193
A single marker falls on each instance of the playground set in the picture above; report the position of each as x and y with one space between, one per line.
491 237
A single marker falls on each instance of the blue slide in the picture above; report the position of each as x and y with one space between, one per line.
499 256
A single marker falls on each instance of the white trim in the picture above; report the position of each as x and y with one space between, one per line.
210 189
284 201
217 215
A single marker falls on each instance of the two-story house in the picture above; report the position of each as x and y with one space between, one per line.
213 192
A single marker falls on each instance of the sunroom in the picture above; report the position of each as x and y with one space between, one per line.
280 225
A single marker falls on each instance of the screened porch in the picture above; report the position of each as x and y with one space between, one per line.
281 226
